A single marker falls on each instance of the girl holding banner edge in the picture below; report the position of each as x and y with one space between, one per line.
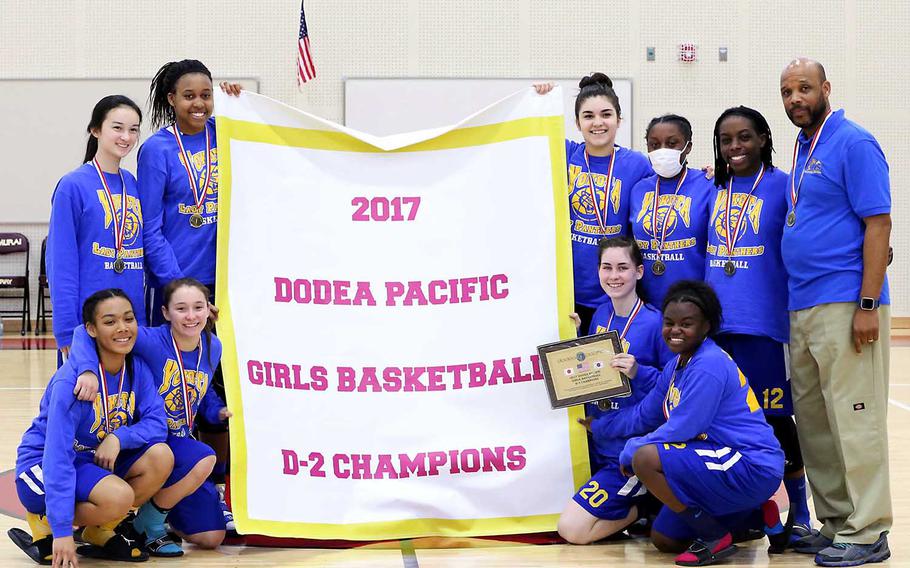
600 176
744 258
178 186
608 502
669 210
183 355
95 235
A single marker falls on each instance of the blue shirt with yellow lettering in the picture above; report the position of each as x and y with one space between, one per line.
629 168
65 425
685 215
174 248
754 298
153 345
81 246
845 180
708 399
645 342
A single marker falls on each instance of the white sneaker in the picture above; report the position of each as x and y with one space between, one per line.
228 515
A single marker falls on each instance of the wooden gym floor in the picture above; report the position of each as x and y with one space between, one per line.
27 363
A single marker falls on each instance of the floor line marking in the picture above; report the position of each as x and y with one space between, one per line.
408 555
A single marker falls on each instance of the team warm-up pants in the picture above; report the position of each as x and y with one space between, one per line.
840 399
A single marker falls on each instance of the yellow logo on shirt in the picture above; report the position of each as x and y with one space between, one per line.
133 216
583 204
719 222
172 392
197 162
120 410
671 209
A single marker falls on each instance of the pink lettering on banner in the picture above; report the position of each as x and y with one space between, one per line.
341 465
322 292
346 379
452 291
384 468
413 466
411 293
282 375
369 379
291 462
517 459
357 466
436 459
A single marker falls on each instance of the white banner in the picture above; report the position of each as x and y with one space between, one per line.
382 299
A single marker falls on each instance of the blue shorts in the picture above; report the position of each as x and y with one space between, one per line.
200 511
609 494
671 525
187 453
717 479
30 483
765 362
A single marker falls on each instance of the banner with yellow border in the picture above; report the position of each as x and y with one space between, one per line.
381 301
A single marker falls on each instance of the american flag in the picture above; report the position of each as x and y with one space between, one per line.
305 68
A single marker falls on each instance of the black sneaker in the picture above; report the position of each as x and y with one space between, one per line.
849 554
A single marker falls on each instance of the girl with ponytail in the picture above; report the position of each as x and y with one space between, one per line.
178 185
600 175
95 234
178 178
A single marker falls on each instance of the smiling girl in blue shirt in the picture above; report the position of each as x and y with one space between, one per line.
600 176
95 235
744 266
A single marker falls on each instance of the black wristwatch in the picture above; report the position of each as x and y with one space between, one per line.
868 304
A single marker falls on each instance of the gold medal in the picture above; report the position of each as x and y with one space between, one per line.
198 192
791 218
729 268
658 268
119 266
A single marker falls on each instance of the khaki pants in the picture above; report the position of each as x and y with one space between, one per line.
840 400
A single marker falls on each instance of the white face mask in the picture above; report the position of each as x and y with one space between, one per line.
666 161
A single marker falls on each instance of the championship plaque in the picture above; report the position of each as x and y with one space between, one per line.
577 371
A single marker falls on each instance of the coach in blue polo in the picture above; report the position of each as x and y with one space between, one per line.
835 249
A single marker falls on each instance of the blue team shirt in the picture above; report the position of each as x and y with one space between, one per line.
630 167
686 234
708 399
81 248
175 249
645 342
153 346
65 425
754 299
845 181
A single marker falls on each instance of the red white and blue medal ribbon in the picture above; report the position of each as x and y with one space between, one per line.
105 408
601 215
635 309
198 193
663 228
732 233
119 227
184 385
794 186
